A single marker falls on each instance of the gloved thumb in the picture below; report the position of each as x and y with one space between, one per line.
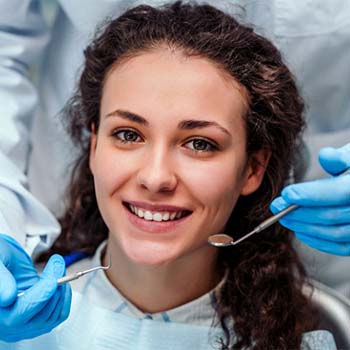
335 160
46 287
8 287
55 267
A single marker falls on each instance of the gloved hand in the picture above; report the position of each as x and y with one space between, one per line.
323 219
44 304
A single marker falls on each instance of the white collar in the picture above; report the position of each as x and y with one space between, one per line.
99 290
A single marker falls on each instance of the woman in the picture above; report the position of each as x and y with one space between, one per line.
187 123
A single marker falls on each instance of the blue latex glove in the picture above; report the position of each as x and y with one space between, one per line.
44 304
323 220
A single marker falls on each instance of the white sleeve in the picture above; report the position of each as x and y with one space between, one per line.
314 37
23 37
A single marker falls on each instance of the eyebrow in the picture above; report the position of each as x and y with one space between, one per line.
128 116
183 125
200 124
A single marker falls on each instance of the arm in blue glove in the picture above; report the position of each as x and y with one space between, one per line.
323 219
44 304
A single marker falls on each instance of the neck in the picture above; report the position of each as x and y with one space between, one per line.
159 288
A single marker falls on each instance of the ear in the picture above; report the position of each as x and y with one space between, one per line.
255 171
93 144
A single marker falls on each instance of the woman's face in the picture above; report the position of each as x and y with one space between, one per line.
169 159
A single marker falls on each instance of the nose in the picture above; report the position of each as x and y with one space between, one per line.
157 173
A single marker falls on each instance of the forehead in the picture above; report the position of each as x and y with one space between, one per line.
168 81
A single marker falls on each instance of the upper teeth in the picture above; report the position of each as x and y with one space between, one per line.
155 216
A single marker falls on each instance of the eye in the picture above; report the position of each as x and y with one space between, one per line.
127 136
201 145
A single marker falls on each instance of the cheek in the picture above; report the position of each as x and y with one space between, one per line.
111 171
216 184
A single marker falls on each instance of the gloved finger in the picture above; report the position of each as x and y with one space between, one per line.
18 262
32 302
55 267
43 322
323 192
335 160
61 312
67 303
331 215
40 323
36 297
342 249
56 311
53 311
8 287
334 233
278 204
43 316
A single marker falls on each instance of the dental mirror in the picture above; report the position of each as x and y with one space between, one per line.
222 240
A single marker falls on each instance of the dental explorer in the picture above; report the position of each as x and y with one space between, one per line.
77 275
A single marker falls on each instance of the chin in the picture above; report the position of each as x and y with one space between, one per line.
151 255
151 259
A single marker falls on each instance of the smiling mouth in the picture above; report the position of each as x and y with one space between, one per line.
159 216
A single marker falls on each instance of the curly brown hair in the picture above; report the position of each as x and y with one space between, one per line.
261 296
